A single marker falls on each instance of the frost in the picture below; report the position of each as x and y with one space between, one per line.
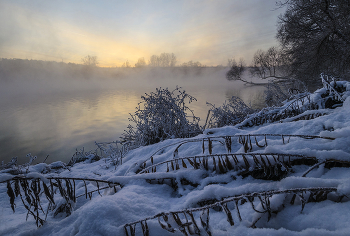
35 175
162 115
221 181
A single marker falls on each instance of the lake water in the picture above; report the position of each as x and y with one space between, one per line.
56 116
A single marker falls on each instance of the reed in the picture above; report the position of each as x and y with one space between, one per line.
246 140
185 220
30 191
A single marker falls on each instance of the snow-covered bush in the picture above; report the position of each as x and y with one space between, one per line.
230 113
162 115
116 150
80 156
332 95
277 92
13 167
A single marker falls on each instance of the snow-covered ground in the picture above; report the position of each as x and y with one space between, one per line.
143 196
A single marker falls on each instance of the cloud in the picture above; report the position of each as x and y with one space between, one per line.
205 31
26 32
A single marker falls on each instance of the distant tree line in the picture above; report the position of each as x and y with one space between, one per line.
163 60
14 68
90 62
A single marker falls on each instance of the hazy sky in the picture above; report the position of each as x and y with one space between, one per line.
116 31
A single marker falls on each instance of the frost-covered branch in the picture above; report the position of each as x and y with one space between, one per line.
185 222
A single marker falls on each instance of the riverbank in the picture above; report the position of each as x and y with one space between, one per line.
289 176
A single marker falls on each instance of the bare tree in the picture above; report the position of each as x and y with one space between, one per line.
140 62
153 61
195 64
316 35
173 60
270 64
126 64
163 60
236 69
90 60
230 62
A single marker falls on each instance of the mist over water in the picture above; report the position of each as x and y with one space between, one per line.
54 109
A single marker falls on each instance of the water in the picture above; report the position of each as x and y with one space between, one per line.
56 118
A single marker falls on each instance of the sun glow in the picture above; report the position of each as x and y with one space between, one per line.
120 32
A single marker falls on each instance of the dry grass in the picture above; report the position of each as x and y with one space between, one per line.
30 191
259 165
271 166
247 141
185 222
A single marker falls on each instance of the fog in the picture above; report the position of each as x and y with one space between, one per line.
50 108
29 79
40 77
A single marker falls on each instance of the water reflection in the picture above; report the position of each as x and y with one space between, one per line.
253 96
56 123
60 124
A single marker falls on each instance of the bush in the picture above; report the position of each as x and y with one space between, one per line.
230 113
277 92
236 69
162 115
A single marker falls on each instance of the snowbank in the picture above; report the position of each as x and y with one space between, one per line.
144 196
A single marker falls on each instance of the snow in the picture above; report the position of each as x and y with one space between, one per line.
36 175
139 197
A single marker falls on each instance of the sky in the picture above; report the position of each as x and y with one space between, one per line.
207 31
